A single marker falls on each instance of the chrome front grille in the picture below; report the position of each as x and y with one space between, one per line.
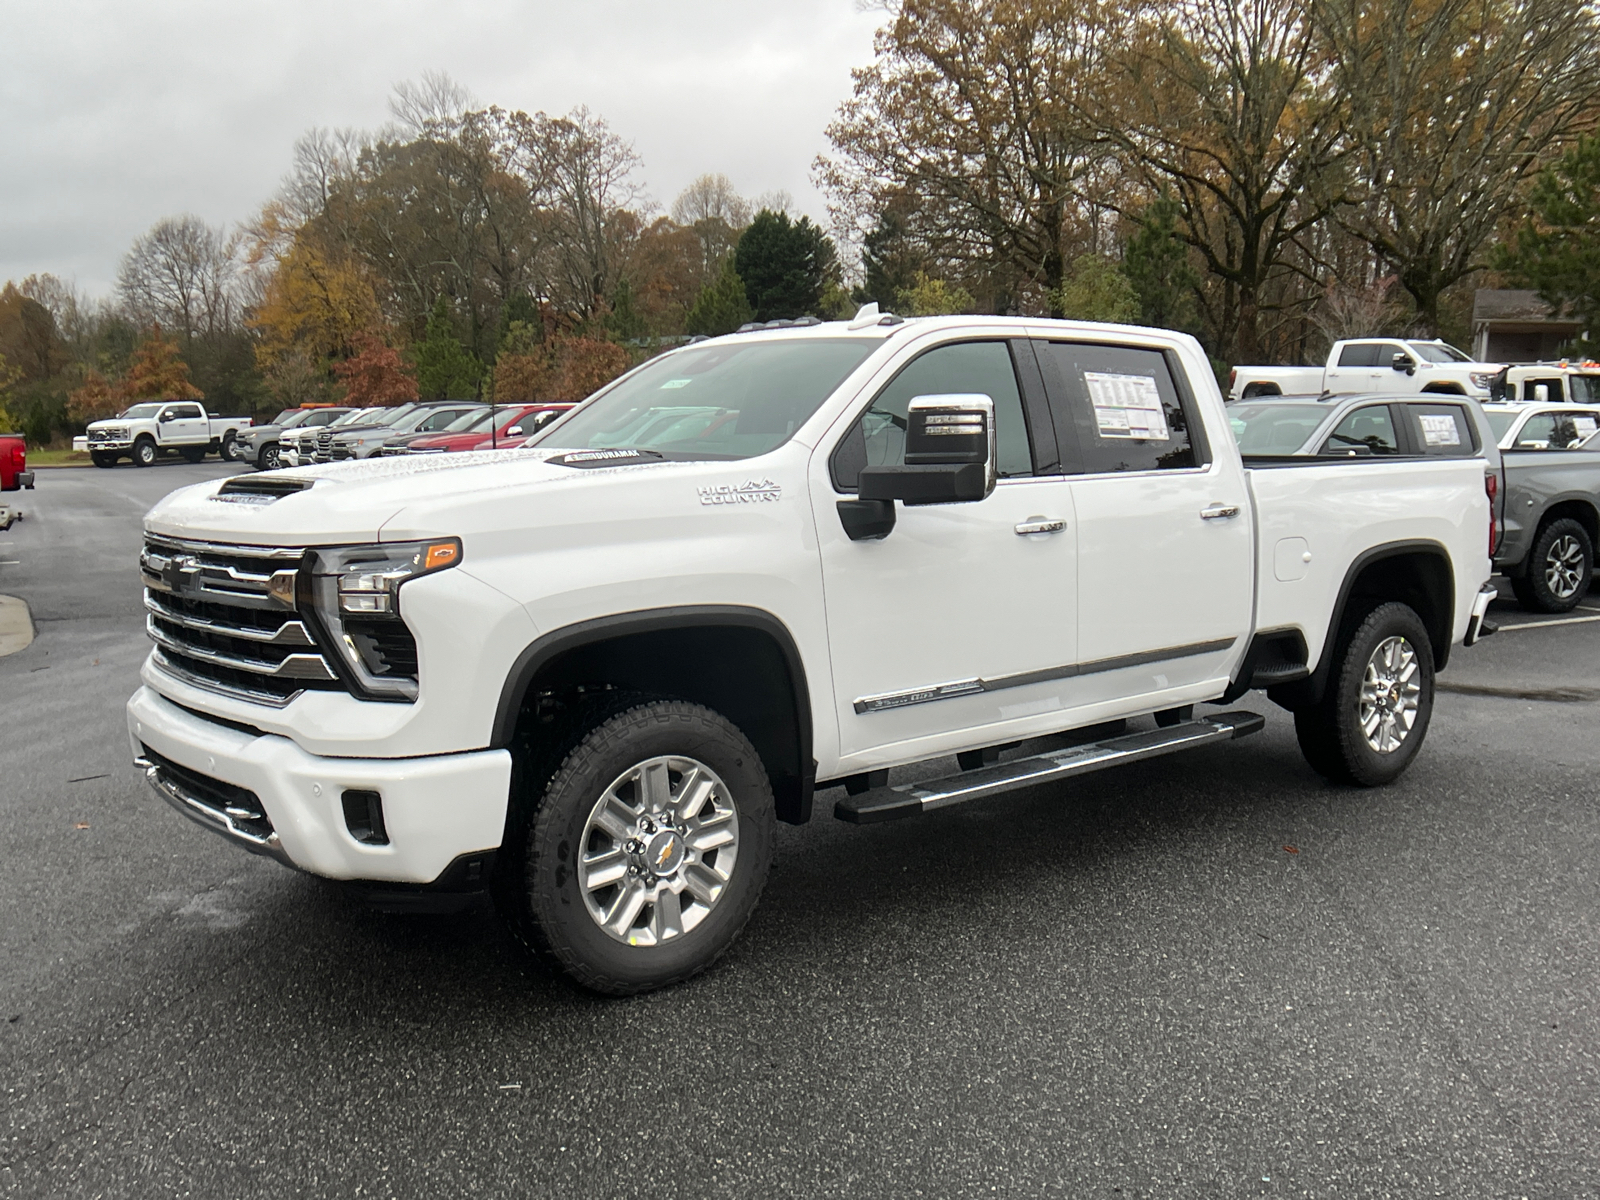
226 618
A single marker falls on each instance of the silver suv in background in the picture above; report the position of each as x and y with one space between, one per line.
259 444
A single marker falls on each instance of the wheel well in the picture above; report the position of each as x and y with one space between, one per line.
743 666
1445 389
1415 574
1584 514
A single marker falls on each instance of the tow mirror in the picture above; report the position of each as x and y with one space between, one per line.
1403 362
950 458
1541 393
514 431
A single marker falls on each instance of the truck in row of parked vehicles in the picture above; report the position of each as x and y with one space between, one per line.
591 673
145 431
1393 365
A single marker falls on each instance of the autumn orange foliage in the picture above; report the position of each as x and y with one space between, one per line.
376 375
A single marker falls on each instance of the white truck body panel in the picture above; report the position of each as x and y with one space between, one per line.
1342 377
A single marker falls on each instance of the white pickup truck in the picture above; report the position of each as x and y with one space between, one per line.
590 674
144 431
1384 365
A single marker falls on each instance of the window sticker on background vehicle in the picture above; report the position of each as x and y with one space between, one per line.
1439 430
1127 406
1586 425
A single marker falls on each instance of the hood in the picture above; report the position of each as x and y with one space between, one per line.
354 501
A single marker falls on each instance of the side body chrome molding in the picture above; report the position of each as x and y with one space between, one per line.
966 687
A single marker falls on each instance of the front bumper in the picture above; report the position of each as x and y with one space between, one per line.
435 809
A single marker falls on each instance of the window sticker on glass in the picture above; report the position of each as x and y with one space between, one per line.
1586 425
1439 430
676 383
1127 406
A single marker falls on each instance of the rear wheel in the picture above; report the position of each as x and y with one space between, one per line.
144 452
645 853
230 451
1560 567
1374 714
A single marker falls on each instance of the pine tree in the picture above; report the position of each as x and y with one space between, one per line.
722 305
786 265
1557 249
1156 262
625 322
446 370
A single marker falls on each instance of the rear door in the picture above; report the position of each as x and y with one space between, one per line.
963 616
1354 369
1165 571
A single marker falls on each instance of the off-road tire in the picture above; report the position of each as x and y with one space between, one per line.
1330 733
101 459
1533 590
537 884
267 457
145 452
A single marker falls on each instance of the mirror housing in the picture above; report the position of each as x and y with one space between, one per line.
951 455
1403 362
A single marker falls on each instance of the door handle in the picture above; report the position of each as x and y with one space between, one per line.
1040 525
1219 512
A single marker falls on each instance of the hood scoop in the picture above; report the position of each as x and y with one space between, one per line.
260 489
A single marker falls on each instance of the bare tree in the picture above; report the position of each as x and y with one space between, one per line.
711 198
181 276
1453 103
434 107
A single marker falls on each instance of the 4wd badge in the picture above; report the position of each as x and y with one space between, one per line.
760 491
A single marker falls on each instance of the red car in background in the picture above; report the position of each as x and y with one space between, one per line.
515 425
14 471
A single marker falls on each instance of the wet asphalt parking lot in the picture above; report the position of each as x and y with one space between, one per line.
1207 975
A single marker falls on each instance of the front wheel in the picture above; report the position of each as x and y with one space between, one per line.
1560 566
267 458
1374 714
144 453
646 851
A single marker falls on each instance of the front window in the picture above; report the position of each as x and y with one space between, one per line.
1438 352
1274 428
728 400
1365 431
1585 388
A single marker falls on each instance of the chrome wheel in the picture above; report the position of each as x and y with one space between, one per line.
1389 694
658 850
1563 567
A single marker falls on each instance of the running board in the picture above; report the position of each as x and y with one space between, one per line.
909 799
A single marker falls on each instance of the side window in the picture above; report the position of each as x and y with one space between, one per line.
193 412
1538 433
1387 351
1555 431
878 439
1127 409
1367 430
1360 354
1443 430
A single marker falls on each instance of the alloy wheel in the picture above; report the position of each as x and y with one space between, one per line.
658 850
1390 695
1563 567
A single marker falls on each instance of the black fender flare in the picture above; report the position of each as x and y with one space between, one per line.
793 797
1309 690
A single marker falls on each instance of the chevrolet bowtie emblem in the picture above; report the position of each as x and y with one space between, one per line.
179 569
666 853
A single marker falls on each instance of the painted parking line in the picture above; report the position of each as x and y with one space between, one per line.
1546 624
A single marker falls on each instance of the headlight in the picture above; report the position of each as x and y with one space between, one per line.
1482 379
355 591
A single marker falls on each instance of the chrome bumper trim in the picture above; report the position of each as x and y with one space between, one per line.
215 819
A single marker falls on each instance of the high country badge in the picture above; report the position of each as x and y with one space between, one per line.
761 491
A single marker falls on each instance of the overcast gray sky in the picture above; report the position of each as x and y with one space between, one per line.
114 114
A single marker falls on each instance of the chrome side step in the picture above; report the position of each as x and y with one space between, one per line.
909 799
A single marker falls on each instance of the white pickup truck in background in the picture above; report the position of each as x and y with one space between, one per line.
1382 365
144 431
590 674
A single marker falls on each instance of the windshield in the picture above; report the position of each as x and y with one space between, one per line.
142 412
371 416
1438 352
1499 422
290 417
724 401
478 419
1274 428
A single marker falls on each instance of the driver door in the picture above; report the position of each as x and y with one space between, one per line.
958 618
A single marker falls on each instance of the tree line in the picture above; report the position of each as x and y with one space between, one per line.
1267 174
1270 174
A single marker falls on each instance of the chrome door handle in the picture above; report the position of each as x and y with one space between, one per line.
1219 512
1040 525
